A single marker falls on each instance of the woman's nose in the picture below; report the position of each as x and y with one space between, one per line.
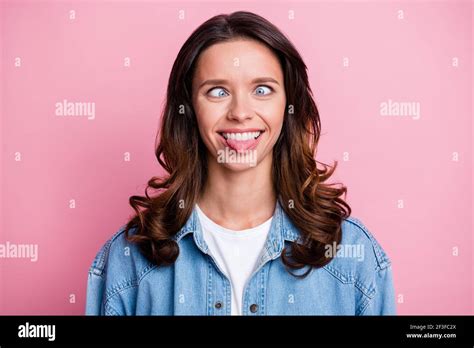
240 108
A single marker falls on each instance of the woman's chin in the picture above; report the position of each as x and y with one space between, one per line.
238 167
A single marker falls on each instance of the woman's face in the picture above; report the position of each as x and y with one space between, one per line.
239 100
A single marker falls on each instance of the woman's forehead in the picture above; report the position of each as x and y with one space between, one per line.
237 59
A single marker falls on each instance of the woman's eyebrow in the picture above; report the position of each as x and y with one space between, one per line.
265 79
223 82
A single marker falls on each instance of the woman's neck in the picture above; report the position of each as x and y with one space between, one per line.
239 200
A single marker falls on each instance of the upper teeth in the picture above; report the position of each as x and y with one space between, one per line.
241 136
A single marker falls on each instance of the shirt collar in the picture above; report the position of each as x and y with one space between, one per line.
281 229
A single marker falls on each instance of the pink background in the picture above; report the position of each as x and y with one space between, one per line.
390 158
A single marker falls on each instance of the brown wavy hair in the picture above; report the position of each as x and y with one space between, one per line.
314 207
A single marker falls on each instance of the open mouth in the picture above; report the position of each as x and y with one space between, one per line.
241 136
241 141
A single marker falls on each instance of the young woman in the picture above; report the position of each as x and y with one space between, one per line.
244 222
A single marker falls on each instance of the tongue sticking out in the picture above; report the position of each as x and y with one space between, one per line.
242 145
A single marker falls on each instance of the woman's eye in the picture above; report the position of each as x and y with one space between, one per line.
217 92
263 90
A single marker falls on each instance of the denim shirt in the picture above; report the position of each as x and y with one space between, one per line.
121 281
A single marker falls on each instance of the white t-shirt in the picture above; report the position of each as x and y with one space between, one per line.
236 252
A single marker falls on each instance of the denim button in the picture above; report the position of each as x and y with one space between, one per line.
218 304
253 308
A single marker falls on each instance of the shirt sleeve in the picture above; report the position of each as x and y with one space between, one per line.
95 294
383 301
96 282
